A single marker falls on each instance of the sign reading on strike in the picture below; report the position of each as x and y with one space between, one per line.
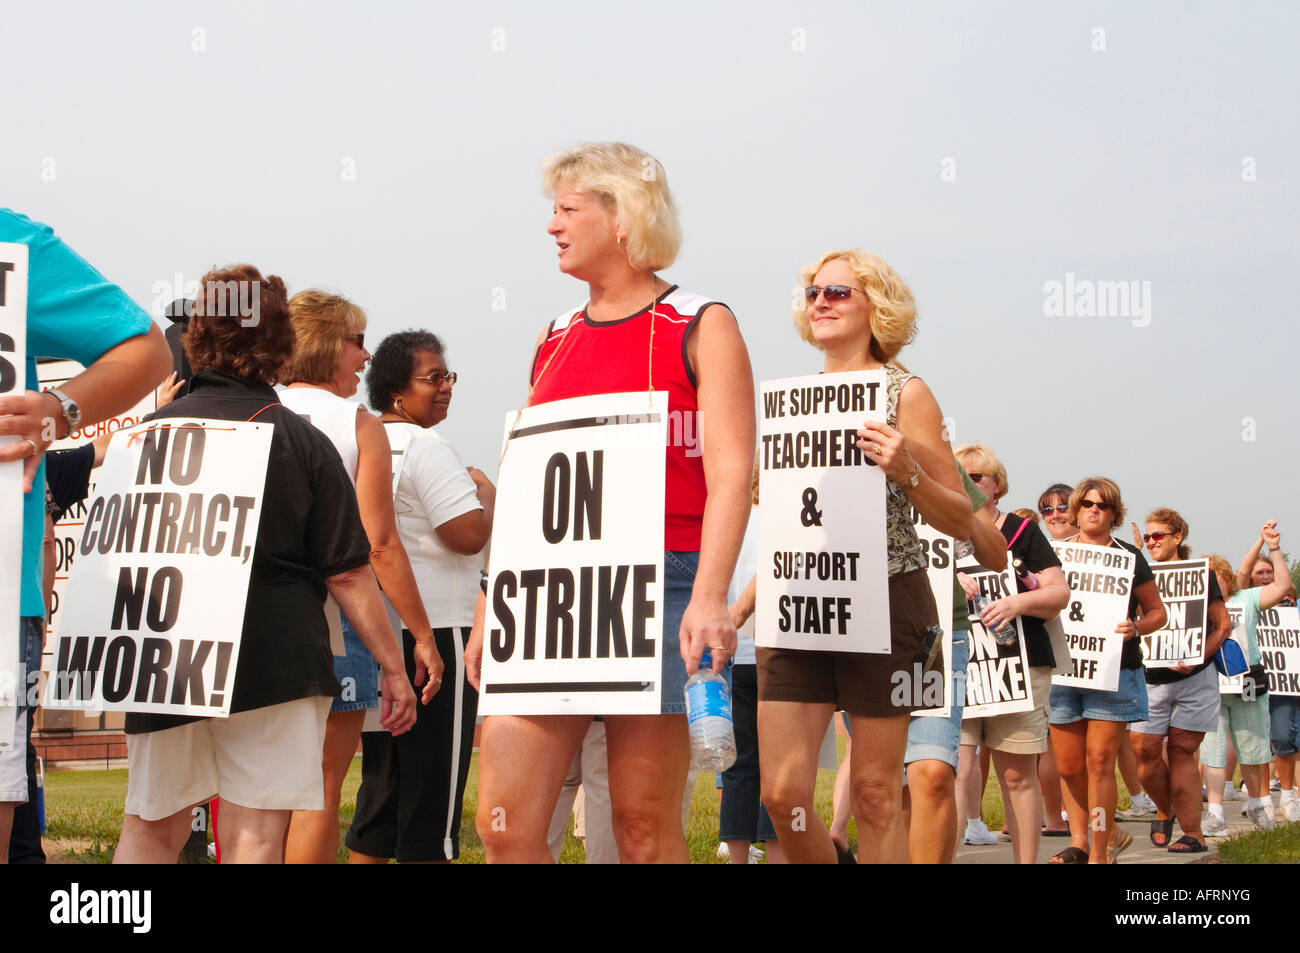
997 676
13 381
933 688
1100 580
575 608
1278 633
1185 590
823 560
155 606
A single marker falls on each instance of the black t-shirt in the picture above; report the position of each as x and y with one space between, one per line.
67 478
1164 676
1132 657
1034 553
310 529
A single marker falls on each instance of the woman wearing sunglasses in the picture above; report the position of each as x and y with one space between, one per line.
615 225
1088 724
861 314
1182 705
1054 507
329 354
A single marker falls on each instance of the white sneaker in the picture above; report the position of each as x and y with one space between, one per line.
724 852
1275 785
755 853
1291 809
1262 818
1232 794
1142 806
978 833
1212 826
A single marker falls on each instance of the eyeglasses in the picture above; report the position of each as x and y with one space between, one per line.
976 477
438 377
1154 537
358 339
1059 507
832 292
1101 505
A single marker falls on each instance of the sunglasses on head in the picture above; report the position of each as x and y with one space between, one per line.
832 292
1154 537
1059 507
1101 505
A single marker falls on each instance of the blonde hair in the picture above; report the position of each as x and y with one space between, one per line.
753 484
321 322
1107 489
893 309
1025 513
977 457
1221 567
634 185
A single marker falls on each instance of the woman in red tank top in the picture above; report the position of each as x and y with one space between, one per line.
614 226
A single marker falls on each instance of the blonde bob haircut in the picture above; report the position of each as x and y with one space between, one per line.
1223 569
977 457
1107 489
893 309
631 183
321 322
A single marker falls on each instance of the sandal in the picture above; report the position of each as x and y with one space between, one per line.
1187 844
1063 832
1161 827
1122 841
1071 855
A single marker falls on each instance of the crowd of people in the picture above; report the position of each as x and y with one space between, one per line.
364 621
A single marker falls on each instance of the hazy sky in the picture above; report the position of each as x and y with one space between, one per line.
391 153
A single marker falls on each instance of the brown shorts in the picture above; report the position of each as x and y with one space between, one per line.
862 684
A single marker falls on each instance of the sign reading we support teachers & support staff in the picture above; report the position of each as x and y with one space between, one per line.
823 563
1185 590
13 380
1100 580
155 605
575 605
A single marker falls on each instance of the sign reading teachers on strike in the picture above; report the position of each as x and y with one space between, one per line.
822 554
575 607
1184 589
997 676
1100 580
155 606
13 381
1278 633
932 687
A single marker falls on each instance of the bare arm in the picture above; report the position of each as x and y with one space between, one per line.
1153 615
358 596
726 433
1281 586
468 533
988 542
1051 596
1248 563
387 554
743 607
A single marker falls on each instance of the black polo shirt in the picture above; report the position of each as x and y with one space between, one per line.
310 529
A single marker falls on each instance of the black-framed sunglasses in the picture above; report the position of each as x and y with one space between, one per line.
358 339
438 377
1154 537
832 292
1059 507
1100 504
976 477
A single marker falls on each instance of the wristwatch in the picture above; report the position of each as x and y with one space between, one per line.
71 412
916 477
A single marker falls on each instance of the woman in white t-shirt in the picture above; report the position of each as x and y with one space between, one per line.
412 786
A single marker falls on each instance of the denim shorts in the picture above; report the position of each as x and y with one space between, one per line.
358 673
1127 704
1284 724
679 579
937 739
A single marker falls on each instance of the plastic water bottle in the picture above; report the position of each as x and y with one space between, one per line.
1006 635
708 714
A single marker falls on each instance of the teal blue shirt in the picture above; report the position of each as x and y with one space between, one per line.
73 313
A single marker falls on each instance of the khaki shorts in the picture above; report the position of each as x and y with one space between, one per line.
1024 732
268 758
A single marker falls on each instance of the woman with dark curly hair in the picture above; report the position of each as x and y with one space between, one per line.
412 786
265 759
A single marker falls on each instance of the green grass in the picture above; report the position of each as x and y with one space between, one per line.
1278 846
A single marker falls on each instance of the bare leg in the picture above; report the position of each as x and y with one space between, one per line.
1049 782
6 828
969 793
313 836
1183 746
649 759
878 788
1069 742
789 736
841 802
1103 742
1018 776
1128 768
155 842
932 832
252 836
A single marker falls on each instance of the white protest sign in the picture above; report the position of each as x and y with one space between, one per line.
1237 683
823 564
67 531
1100 580
156 600
1185 591
13 381
997 676
932 689
575 607
1278 633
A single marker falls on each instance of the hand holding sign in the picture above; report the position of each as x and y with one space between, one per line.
887 448
1128 628
30 417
